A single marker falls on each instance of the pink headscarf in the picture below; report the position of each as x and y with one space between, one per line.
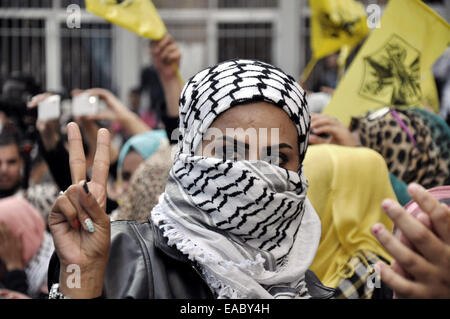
25 222
441 193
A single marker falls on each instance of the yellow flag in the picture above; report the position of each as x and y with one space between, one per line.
390 67
334 24
430 94
138 16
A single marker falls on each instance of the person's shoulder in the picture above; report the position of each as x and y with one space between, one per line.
131 229
129 270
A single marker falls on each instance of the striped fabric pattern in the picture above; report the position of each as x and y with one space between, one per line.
248 224
216 89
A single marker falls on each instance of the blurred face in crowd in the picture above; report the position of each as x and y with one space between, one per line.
135 100
10 167
279 146
130 164
331 61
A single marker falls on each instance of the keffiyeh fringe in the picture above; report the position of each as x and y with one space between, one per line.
195 253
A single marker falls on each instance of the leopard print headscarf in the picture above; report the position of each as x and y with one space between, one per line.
406 142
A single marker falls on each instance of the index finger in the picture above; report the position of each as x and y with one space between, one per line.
102 93
37 99
322 120
314 139
439 213
100 168
77 160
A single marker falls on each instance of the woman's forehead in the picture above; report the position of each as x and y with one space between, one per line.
259 114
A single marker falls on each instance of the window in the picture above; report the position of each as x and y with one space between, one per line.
245 40
22 48
86 55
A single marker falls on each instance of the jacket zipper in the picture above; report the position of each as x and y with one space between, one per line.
204 280
146 255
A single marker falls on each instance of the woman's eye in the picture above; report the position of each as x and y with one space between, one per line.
279 159
231 153
283 159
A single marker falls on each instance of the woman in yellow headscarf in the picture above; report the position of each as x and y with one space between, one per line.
346 187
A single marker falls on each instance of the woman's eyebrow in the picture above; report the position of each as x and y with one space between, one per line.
285 145
279 146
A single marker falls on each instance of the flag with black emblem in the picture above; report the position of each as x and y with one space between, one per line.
392 68
138 16
335 24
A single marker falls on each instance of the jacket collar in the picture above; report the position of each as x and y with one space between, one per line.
316 289
161 243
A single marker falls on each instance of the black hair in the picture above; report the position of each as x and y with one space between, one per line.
9 135
135 90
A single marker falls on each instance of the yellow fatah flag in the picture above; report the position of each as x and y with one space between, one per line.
138 16
391 67
335 24
430 95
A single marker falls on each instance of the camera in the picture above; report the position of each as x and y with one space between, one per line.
16 92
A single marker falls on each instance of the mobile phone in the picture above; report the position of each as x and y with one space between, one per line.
84 104
50 108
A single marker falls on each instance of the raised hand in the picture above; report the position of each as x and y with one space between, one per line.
337 133
49 130
116 111
166 57
422 258
78 221
115 108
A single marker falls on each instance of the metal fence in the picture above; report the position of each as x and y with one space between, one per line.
35 39
22 49
86 56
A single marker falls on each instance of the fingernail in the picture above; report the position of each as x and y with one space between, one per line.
413 188
89 224
377 228
86 188
386 204
77 224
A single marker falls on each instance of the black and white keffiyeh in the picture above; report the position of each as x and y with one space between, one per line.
248 224
37 268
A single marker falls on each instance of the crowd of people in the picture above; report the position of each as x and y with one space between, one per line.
229 186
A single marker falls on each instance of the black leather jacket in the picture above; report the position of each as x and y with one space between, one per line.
142 266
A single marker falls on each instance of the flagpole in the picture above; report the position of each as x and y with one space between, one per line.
343 55
177 73
307 72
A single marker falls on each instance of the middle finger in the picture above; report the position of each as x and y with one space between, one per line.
77 159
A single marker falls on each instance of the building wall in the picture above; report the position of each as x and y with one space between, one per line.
35 39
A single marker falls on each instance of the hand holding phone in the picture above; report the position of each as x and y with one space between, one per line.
84 105
49 108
